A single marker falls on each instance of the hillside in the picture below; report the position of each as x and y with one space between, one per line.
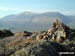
59 38
34 21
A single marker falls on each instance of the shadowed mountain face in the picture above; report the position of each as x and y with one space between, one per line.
33 21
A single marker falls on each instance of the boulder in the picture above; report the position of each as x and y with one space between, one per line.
5 33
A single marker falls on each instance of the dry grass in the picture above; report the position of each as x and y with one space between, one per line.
20 42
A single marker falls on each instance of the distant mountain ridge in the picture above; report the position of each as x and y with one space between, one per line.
34 20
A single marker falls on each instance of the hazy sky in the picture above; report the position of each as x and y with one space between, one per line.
66 7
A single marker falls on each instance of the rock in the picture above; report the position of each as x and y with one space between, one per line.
43 36
5 33
70 46
59 39
59 29
44 48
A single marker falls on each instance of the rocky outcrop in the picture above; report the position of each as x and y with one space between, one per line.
43 43
5 33
43 48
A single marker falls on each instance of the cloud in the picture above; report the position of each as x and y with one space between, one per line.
9 9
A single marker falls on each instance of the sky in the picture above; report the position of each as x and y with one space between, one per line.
7 7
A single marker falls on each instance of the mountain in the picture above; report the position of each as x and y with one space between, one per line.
34 21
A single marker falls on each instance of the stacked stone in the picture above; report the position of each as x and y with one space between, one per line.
58 31
43 36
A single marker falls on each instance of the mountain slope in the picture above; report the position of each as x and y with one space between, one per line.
33 20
